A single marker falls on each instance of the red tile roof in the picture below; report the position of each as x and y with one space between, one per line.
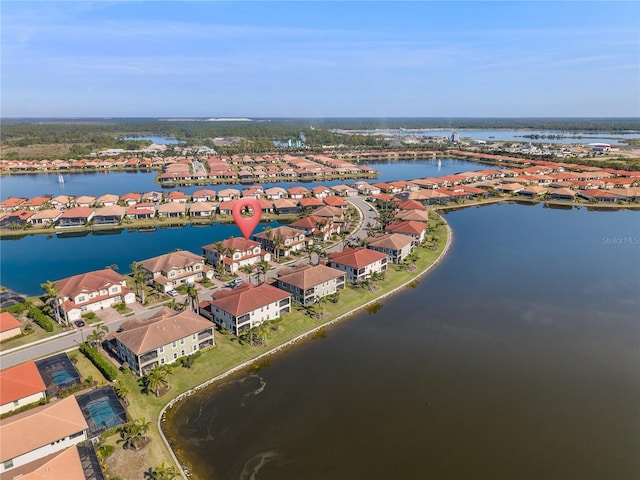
19 382
8 322
407 226
44 425
356 257
246 298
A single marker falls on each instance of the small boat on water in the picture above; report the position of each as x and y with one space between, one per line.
439 163
60 178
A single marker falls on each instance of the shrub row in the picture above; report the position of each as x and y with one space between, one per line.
18 308
40 318
107 369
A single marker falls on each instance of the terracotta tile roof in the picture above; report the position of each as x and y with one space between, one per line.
77 212
64 464
8 322
246 298
392 241
333 201
88 199
89 282
202 207
356 257
284 203
172 207
111 211
131 196
51 214
40 426
12 202
328 212
406 226
204 193
19 382
298 191
310 202
165 326
417 215
240 244
282 232
35 202
411 205
307 276
227 205
566 192
107 198
172 261
308 222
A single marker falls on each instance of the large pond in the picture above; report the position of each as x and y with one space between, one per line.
118 183
517 358
535 136
28 262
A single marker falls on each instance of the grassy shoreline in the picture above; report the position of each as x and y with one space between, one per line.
229 356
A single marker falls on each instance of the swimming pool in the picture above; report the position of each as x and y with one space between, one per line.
102 410
63 377
103 413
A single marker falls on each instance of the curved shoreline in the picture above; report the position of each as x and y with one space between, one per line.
300 337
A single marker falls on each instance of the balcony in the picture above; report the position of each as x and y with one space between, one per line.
205 334
147 357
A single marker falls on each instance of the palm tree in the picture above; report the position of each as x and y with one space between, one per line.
52 294
276 247
154 380
192 296
122 390
130 435
263 267
161 473
248 270
95 338
168 370
138 277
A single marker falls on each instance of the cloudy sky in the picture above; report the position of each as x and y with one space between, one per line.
320 59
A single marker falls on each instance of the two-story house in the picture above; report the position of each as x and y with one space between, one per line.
163 338
313 225
246 306
283 240
21 385
359 263
395 245
411 228
235 253
168 271
40 432
309 283
90 292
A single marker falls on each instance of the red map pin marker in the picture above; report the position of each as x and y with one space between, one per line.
247 224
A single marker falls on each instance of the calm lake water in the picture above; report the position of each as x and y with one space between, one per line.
517 358
508 135
118 183
28 262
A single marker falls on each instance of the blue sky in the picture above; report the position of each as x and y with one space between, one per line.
320 59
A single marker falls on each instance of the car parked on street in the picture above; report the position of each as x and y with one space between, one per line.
172 293
80 323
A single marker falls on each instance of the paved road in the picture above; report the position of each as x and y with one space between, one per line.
58 344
